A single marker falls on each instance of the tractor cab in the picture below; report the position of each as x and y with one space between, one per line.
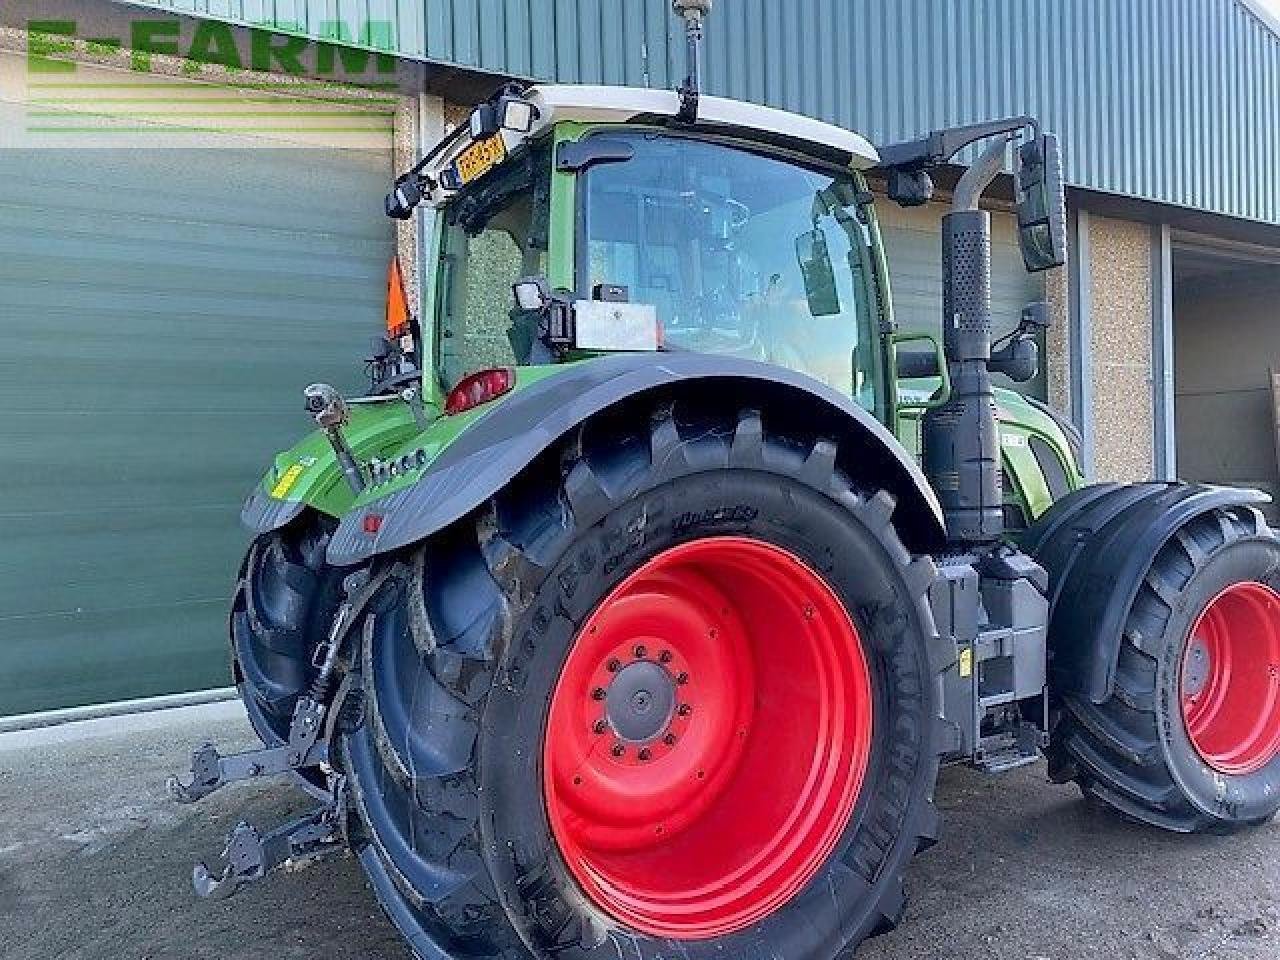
622 229
575 221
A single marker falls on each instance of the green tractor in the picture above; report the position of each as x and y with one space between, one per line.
634 609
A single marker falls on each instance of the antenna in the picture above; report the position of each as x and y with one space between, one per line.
693 12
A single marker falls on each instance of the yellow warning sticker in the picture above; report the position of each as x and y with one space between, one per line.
287 480
966 662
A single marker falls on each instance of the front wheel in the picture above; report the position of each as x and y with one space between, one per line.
1189 740
678 699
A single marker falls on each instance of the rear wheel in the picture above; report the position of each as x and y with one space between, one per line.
1190 738
284 603
696 780
677 698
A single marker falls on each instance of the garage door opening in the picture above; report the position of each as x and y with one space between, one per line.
161 309
1226 345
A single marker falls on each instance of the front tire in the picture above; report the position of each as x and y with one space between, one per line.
721 568
1189 740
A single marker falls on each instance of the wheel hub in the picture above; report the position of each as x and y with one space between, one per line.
707 739
640 702
1230 680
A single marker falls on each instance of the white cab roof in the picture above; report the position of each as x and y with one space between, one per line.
602 104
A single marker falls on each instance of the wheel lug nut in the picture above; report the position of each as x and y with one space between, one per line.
684 710
644 754
598 693
615 665
600 727
640 651
618 750
664 656
669 739
682 677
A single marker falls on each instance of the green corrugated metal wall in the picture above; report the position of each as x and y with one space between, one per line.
1170 100
160 312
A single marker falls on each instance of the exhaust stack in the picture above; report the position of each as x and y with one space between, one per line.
961 437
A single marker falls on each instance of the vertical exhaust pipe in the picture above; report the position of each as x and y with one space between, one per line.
961 437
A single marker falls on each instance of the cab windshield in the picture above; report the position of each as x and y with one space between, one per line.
493 233
741 254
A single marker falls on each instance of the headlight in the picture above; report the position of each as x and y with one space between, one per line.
530 293
482 124
517 115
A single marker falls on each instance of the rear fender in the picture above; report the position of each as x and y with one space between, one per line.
505 441
1097 545
308 474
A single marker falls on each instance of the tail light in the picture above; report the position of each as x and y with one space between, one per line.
478 388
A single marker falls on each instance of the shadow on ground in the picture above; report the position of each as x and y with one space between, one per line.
95 865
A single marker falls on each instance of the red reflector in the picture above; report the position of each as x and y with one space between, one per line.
478 388
372 522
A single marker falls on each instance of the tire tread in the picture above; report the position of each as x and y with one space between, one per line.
1113 749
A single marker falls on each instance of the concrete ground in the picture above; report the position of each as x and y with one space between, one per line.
95 861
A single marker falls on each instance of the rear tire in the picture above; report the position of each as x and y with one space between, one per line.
468 640
1151 750
284 603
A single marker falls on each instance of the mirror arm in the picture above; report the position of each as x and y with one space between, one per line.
941 145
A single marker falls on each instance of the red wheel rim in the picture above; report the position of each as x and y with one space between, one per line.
707 739
1230 679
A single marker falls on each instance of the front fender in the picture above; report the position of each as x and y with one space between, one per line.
500 444
1097 545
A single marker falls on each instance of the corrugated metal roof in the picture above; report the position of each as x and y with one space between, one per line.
1175 101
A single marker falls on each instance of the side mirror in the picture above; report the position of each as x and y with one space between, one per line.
819 276
1019 359
1042 208
404 197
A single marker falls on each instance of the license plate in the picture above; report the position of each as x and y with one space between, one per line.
479 158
